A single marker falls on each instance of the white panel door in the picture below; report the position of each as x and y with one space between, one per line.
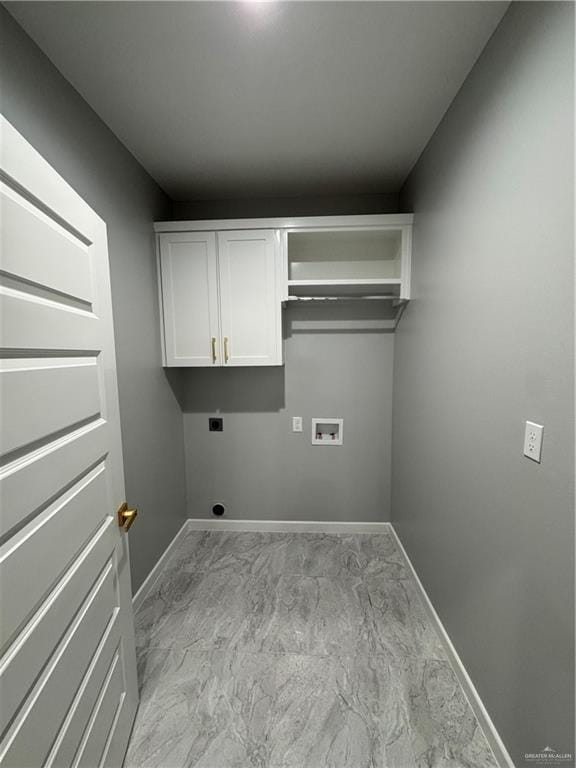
68 687
250 305
189 275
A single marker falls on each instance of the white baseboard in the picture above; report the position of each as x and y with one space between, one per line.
492 736
155 573
296 526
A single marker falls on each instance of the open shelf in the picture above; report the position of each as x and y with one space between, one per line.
345 255
347 262
342 287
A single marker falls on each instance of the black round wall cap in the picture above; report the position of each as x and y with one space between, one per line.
218 509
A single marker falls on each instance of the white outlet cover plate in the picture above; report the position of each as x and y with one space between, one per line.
296 423
533 441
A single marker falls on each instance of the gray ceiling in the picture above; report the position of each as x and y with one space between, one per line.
244 99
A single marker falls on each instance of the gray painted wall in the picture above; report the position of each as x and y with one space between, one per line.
262 470
341 368
486 344
285 206
45 108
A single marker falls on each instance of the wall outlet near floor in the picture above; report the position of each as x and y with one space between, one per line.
296 423
215 424
533 441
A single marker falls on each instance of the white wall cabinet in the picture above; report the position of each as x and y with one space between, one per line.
223 283
189 280
220 294
250 304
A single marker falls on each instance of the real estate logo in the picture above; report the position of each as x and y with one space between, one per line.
548 756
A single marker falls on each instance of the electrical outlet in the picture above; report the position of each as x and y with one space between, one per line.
296 423
533 441
215 424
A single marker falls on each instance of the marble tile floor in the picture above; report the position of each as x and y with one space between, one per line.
295 650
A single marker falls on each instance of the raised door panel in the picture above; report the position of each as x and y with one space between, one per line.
189 276
250 303
36 249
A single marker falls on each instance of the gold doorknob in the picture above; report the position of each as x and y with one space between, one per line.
126 516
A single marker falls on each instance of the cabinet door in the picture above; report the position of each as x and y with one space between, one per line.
250 308
189 278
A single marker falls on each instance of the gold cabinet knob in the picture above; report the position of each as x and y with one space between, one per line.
126 516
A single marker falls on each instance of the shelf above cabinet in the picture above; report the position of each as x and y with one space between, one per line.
352 287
